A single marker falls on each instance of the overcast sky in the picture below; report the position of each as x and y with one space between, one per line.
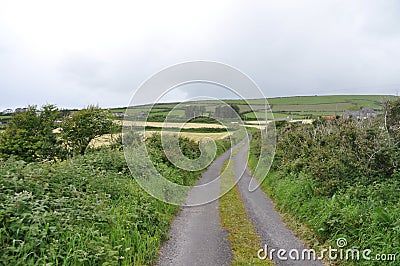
75 53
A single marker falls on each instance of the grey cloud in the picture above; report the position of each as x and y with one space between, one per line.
308 51
88 71
288 47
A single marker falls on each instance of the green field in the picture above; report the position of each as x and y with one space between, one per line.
372 101
313 106
296 107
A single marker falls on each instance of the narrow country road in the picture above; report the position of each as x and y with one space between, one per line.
267 221
197 238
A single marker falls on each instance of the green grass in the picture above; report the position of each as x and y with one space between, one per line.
367 223
87 210
364 208
84 211
303 106
332 107
118 110
171 113
367 100
244 241
275 115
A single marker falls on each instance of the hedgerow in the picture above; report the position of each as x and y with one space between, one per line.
86 210
340 178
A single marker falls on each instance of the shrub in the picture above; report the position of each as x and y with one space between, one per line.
29 135
83 126
340 178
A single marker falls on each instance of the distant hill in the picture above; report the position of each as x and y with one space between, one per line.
312 106
295 107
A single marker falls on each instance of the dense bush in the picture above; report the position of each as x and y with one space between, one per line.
29 135
78 129
340 178
83 211
77 212
50 134
337 153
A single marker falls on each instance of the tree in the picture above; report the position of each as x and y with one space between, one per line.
29 135
83 126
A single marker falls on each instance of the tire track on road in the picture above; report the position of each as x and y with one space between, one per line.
267 221
196 236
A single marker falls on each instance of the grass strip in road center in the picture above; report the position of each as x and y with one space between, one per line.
244 241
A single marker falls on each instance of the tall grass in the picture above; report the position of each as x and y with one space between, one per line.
84 211
244 241
325 178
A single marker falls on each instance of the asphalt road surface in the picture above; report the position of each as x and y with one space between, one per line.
267 221
197 238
